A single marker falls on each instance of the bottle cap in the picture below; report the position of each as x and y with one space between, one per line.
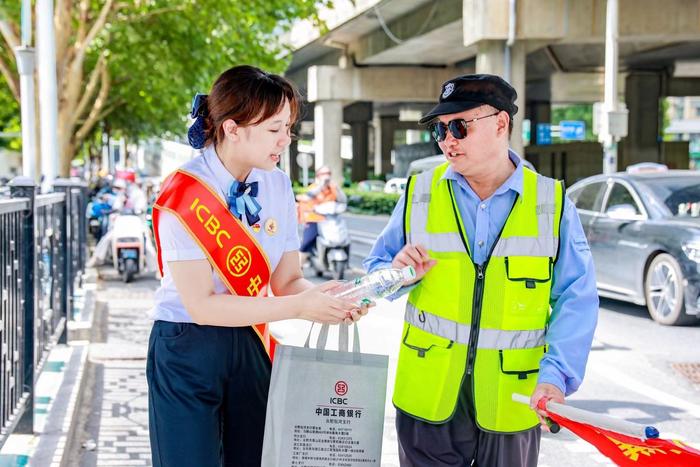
651 432
408 273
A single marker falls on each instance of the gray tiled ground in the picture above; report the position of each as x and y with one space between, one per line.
116 433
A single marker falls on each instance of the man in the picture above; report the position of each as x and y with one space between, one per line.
494 246
322 190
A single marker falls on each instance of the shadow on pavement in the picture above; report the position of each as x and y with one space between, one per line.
655 413
635 311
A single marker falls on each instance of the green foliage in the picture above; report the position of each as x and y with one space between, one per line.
363 202
161 52
158 61
666 119
9 120
583 112
367 202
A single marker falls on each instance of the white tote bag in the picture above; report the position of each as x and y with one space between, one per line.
325 407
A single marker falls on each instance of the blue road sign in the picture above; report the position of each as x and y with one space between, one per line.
572 130
544 133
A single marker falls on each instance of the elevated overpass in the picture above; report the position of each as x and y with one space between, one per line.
392 57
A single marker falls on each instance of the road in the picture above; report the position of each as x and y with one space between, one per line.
633 370
630 374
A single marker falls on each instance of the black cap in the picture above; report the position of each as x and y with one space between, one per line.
469 91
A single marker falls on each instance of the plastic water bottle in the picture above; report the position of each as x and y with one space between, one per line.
373 286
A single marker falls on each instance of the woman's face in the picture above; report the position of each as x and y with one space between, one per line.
261 145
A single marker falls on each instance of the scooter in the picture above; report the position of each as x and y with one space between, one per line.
98 218
332 250
128 245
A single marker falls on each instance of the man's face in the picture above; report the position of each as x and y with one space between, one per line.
472 155
324 177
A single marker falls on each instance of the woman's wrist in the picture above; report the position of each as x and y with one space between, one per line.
292 306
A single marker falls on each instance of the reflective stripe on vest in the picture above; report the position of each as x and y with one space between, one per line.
485 321
545 244
494 339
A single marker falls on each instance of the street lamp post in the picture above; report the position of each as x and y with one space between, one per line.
25 65
48 100
614 118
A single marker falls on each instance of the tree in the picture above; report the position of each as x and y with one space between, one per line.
138 63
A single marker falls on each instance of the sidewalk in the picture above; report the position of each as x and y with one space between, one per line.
92 397
111 425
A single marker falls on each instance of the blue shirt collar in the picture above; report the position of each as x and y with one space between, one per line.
222 176
514 182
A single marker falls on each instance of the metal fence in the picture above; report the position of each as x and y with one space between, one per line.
43 252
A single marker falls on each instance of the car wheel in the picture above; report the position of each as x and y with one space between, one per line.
664 291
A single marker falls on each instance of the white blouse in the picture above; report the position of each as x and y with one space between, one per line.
276 199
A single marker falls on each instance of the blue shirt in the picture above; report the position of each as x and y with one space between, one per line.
574 297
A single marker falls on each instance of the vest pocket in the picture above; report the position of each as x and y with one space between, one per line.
422 342
497 375
521 363
428 374
528 269
527 289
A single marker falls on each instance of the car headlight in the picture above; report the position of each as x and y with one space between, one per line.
692 250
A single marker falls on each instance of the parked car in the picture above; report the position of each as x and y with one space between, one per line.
643 228
427 163
395 185
371 185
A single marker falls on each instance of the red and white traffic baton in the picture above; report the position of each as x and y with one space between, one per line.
602 421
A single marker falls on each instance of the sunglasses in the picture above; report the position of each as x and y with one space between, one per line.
458 127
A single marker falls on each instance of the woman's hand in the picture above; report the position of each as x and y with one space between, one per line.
315 304
358 313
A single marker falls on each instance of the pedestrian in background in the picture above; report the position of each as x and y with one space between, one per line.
323 190
226 229
505 300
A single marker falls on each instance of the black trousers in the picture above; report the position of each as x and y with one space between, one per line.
460 442
207 393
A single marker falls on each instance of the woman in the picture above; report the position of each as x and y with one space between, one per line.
225 226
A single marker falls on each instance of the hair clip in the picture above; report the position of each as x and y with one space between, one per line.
199 106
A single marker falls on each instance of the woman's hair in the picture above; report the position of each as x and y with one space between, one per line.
247 95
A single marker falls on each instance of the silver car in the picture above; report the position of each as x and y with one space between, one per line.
644 232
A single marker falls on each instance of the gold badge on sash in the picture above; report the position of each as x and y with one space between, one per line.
271 226
256 227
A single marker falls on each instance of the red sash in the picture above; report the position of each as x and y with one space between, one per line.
231 250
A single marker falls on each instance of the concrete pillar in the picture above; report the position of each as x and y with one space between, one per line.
385 126
328 128
358 116
491 59
537 112
360 150
293 169
642 94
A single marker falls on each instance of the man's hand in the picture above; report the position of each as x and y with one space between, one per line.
549 392
416 256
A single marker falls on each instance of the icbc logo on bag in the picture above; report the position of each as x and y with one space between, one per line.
341 388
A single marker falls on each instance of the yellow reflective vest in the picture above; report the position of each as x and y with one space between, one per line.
483 322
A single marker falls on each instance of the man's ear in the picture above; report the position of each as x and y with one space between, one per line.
503 122
231 129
